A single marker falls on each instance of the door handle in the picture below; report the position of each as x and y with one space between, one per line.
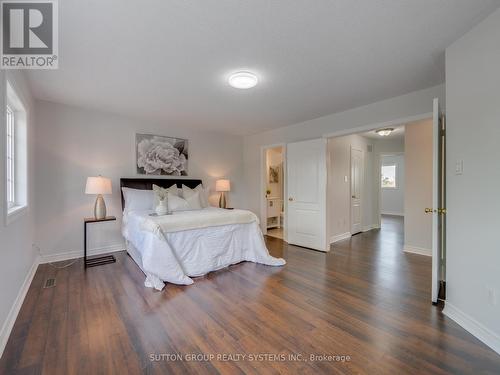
441 211
429 210
290 199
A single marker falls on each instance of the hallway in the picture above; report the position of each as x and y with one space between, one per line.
377 256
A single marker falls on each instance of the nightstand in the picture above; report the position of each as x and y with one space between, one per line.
95 261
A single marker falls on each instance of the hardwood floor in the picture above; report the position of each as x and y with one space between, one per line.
276 233
365 299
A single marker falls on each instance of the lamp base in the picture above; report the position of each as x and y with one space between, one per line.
99 208
222 200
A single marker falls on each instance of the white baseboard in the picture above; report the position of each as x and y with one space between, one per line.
417 250
16 306
50 258
392 213
339 237
471 325
370 227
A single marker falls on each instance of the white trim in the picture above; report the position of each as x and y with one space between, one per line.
471 325
340 237
417 250
392 213
15 100
50 258
16 306
370 227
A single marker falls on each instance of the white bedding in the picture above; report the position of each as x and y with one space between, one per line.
173 255
197 219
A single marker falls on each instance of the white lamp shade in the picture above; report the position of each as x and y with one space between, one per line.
222 185
98 185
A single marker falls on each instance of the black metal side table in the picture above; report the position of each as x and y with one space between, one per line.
95 261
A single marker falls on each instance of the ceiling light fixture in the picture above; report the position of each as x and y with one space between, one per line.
384 132
243 80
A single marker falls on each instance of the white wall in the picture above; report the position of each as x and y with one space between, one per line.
473 133
418 182
339 185
338 188
383 112
392 201
17 257
73 143
389 145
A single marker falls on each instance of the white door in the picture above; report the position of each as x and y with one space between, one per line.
437 199
357 168
306 177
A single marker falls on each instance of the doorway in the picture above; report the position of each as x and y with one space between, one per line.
274 220
389 180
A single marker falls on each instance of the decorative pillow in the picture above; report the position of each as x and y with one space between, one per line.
203 194
138 199
194 201
162 192
176 203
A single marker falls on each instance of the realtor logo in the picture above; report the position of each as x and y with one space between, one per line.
29 34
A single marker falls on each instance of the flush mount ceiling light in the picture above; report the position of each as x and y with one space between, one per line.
243 80
384 132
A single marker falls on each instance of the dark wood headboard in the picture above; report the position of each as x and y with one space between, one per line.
147 184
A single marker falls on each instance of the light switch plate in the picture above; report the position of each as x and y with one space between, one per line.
459 167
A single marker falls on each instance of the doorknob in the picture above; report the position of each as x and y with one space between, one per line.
441 211
290 199
429 210
353 196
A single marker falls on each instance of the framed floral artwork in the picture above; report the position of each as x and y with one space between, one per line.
160 155
274 174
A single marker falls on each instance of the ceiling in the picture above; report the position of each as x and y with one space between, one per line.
398 133
168 61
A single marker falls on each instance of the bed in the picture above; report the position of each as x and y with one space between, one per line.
175 248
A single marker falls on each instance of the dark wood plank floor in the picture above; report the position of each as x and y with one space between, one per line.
365 299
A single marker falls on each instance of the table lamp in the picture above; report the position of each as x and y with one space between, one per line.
98 185
222 186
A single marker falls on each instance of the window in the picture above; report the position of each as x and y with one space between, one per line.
15 178
11 157
389 176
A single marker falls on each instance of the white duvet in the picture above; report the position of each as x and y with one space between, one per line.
187 244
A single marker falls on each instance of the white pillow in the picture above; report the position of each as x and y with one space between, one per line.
194 201
176 203
172 190
203 194
138 199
